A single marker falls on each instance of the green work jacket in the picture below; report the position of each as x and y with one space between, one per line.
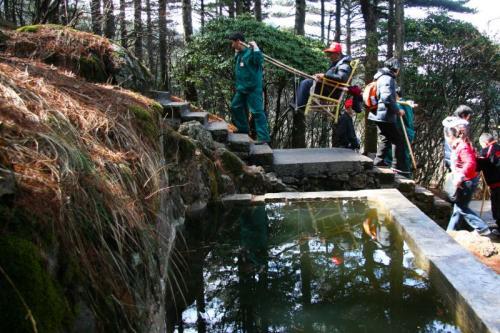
407 119
248 70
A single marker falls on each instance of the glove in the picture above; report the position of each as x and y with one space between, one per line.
254 46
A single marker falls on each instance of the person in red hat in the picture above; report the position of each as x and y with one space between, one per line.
345 135
340 69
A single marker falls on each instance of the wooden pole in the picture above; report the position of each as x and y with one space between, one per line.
408 143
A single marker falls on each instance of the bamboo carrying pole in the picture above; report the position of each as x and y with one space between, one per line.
408 143
485 188
282 65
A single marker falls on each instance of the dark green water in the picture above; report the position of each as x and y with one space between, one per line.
303 267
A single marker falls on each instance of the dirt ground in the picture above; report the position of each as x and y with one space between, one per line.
486 250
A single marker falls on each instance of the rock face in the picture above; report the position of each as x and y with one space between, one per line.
128 72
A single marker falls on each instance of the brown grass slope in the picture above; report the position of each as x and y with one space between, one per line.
87 164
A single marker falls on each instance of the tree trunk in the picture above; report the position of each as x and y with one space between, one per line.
258 10
338 12
149 37
369 10
123 25
96 17
299 130
322 24
109 19
400 36
202 13
239 7
138 29
329 28
348 26
390 30
231 9
187 22
13 12
300 16
162 23
6 9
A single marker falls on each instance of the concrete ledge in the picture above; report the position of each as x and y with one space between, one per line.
465 283
201 117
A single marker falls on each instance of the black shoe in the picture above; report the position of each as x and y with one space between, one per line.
382 164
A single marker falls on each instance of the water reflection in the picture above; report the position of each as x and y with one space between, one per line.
304 267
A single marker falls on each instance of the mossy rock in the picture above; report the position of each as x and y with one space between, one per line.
178 146
146 122
92 68
36 27
232 163
29 288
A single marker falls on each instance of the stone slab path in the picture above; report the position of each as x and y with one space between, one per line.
315 161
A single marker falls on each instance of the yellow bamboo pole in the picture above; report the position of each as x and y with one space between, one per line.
282 65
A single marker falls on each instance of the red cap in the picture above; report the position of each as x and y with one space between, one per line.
334 48
348 103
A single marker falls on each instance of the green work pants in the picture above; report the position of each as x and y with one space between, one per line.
252 100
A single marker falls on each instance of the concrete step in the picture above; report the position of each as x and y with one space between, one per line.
385 176
239 143
424 198
201 117
219 130
261 155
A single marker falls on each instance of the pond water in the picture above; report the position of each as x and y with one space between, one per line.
304 267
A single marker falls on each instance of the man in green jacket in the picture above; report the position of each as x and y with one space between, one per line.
248 77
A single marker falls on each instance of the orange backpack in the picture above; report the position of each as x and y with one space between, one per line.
370 98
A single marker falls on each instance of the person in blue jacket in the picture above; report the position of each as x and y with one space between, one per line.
248 84
387 115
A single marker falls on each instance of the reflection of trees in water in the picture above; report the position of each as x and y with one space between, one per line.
304 267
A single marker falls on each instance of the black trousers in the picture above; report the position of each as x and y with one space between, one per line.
495 204
391 135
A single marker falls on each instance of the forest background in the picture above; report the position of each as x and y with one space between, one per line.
447 62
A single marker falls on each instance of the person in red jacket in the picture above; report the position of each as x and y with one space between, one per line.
465 178
489 164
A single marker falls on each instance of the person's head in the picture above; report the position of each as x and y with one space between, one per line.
334 51
348 106
236 38
458 130
464 112
399 92
486 139
393 65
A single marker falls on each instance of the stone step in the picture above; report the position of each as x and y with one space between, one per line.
219 130
261 155
385 176
405 185
201 117
175 109
322 162
160 95
239 143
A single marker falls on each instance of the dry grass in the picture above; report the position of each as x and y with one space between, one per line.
83 164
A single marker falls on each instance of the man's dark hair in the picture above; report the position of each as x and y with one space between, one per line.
237 36
392 64
462 111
